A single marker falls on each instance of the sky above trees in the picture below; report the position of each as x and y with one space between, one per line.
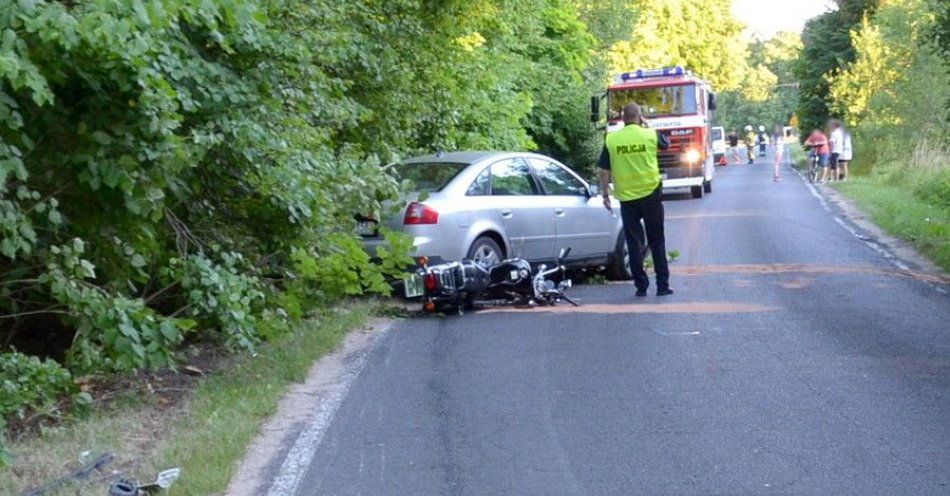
764 18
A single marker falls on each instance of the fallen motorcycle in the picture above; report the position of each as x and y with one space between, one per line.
456 286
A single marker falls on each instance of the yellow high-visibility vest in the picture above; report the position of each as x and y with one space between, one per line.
633 163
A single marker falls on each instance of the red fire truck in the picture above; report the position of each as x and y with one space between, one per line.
679 105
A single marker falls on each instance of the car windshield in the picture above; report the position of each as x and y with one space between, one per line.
429 176
655 102
716 134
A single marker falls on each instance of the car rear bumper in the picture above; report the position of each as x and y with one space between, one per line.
437 248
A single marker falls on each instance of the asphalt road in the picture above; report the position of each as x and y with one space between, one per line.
793 359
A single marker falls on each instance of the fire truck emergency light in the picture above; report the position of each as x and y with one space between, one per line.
652 73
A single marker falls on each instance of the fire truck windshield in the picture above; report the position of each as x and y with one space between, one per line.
655 102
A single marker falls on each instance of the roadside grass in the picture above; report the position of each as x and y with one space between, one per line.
797 154
205 434
900 212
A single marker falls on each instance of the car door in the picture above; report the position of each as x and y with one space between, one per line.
524 211
581 221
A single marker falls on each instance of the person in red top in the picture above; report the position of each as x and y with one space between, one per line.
819 145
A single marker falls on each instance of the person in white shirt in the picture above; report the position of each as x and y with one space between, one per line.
778 151
840 149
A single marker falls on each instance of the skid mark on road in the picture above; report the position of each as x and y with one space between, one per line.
647 308
702 270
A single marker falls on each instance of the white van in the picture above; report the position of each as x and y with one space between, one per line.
718 138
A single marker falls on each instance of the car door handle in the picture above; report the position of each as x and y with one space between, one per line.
505 213
559 212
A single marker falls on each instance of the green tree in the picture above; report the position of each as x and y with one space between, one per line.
826 41
769 93
679 32
887 92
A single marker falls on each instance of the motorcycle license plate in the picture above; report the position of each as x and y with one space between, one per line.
413 286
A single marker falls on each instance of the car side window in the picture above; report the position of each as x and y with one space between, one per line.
556 179
512 177
481 186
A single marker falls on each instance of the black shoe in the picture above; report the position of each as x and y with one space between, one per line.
641 293
664 292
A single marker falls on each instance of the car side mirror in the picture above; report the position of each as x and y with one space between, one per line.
595 108
712 101
593 190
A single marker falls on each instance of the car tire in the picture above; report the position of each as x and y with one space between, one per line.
618 264
707 187
485 251
697 191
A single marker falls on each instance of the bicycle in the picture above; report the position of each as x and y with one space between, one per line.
813 173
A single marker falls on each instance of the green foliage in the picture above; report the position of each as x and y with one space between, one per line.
160 129
29 385
935 190
768 95
887 94
826 48
701 35
113 332
34 387
221 296
347 269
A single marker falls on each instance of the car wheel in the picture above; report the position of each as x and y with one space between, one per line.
618 267
707 187
697 191
485 251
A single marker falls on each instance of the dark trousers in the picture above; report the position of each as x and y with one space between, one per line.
650 210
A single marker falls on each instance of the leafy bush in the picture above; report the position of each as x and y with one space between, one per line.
350 269
113 332
30 386
220 296
935 189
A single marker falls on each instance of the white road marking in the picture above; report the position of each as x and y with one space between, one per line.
874 246
814 192
881 250
301 454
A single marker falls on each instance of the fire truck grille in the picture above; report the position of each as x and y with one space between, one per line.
668 161
679 142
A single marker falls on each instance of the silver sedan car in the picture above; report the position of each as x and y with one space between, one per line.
488 206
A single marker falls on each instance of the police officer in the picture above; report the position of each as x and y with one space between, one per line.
630 158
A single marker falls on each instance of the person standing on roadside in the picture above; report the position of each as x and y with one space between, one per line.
819 143
733 139
750 143
629 159
778 150
840 148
